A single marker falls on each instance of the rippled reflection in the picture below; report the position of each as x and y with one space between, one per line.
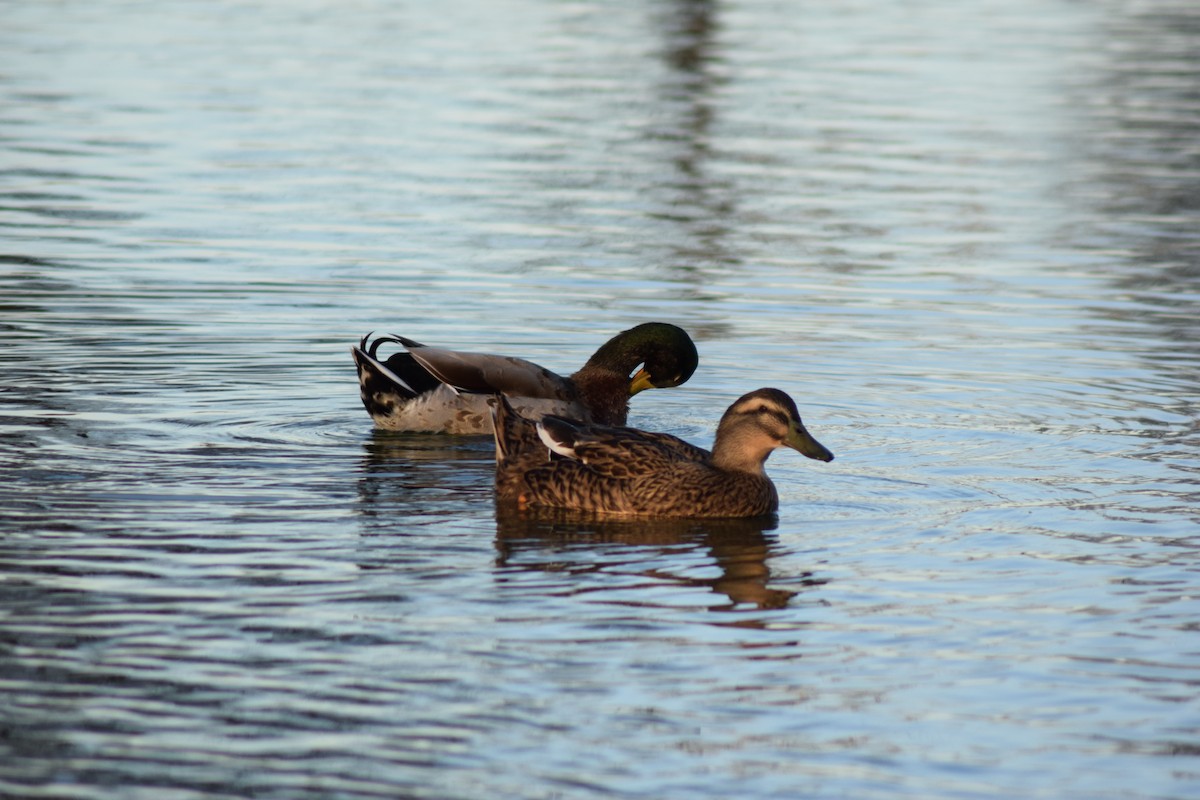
962 235
406 474
734 554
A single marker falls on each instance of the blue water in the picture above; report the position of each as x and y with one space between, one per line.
965 237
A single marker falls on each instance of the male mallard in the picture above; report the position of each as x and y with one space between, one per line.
628 471
419 390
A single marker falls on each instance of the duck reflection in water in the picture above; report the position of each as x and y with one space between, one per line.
574 542
422 475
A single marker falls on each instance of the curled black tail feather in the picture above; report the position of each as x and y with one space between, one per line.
417 380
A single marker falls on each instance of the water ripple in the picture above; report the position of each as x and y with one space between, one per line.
963 236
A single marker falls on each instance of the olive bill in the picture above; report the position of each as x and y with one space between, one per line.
800 440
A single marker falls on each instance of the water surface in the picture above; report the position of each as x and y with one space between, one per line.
964 237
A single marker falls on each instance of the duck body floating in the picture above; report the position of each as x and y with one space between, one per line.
436 390
562 463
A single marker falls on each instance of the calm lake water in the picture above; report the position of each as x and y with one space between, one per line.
964 236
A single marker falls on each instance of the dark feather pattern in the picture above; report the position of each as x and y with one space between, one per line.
618 470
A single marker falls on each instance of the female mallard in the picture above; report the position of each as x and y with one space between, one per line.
628 471
429 389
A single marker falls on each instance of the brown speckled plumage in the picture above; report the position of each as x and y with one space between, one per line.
430 389
566 464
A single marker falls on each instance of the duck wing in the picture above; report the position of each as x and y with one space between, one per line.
613 452
489 374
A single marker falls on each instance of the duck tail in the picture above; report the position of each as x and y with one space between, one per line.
516 437
400 374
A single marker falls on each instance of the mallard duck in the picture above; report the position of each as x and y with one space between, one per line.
434 390
564 463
